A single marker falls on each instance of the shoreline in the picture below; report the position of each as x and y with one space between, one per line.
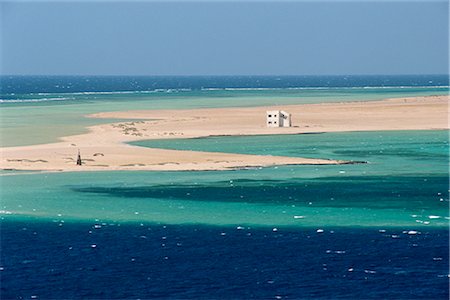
104 148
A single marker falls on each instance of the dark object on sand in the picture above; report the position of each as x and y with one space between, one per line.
79 159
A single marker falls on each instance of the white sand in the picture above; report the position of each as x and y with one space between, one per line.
104 148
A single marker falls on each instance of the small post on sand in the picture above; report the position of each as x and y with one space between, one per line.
79 158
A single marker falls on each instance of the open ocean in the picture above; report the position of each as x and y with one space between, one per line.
378 230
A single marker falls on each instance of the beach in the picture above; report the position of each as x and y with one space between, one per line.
104 147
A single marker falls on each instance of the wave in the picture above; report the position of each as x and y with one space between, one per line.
114 92
327 88
76 95
34 100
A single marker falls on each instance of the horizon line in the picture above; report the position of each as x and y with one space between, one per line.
217 75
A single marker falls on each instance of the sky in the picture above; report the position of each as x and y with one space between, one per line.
223 38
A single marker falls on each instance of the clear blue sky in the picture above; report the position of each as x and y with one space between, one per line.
224 38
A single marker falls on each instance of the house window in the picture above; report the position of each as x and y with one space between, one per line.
275 122
275 116
270 116
270 122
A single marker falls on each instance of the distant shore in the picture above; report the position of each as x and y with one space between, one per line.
104 146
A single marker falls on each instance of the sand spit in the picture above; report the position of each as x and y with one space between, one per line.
104 146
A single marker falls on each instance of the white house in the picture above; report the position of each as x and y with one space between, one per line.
278 118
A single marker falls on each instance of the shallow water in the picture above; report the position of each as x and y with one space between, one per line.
387 152
395 188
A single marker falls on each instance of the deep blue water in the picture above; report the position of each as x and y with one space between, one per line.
212 91
48 261
71 84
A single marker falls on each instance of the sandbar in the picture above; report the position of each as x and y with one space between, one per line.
104 147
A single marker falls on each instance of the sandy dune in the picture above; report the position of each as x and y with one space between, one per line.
104 148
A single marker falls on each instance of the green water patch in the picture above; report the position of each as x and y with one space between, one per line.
387 152
22 126
365 192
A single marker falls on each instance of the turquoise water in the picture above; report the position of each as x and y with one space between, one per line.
404 184
387 152
44 121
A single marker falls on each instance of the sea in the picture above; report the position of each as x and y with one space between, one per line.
373 230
